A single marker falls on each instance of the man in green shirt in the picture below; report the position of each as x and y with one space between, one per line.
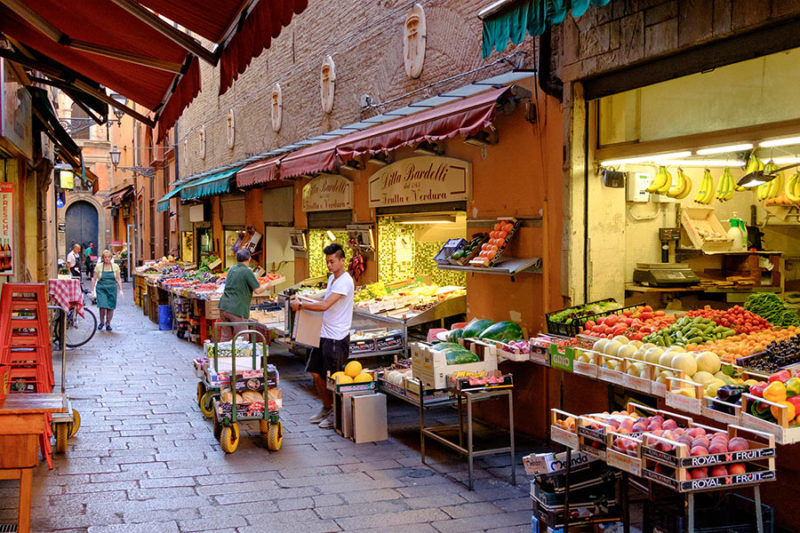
240 284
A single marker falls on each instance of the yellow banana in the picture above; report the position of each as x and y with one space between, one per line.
709 195
792 190
687 185
667 183
704 187
753 164
658 182
770 188
677 185
731 183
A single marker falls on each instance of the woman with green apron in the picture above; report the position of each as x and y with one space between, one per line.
105 284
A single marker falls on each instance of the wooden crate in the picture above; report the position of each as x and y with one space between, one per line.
212 309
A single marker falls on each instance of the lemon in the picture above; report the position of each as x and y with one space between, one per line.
352 369
362 378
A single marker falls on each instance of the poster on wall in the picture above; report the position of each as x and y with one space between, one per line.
328 192
16 124
7 245
421 180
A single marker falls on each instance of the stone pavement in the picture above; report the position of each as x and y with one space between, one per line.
145 459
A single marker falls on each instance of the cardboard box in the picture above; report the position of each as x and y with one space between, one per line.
307 326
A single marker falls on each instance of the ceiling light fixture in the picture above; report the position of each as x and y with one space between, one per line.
655 158
725 149
427 219
786 141
759 177
702 163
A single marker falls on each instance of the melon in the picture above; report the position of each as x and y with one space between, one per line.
335 375
612 347
455 334
676 348
652 354
626 351
685 362
504 331
638 344
600 346
344 380
666 359
362 378
639 354
352 369
622 339
476 327
708 362
702 377
646 346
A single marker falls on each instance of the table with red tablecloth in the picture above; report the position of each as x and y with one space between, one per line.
67 293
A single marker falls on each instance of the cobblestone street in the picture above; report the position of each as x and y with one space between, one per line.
146 460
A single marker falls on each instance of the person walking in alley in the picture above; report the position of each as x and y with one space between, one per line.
334 342
105 284
87 257
74 261
240 284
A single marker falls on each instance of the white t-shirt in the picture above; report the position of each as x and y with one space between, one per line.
72 259
337 319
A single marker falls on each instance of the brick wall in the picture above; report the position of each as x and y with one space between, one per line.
627 32
365 40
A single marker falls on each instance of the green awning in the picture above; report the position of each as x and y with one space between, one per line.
210 185
531 16
163 202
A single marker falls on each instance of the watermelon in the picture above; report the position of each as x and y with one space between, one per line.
455 335
476 327
460 356
503 331
445 346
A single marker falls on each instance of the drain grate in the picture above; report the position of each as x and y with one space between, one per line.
8 528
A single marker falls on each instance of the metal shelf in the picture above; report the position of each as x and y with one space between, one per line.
507 266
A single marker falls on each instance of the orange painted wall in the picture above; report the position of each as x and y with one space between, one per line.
253 215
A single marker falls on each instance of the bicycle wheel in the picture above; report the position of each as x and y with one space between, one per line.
80 330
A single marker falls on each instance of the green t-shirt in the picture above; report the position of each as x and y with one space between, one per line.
239 286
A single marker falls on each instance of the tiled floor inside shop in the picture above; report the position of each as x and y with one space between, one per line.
145 459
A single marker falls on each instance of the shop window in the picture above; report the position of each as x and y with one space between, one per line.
318 239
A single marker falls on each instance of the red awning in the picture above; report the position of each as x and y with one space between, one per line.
464 117
461 118
316 158
118 197
262 25
258 173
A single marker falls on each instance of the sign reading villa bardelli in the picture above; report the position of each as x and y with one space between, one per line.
328 192
421 180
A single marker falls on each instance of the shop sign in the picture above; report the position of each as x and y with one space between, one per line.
15 111
67 179
421 180
7 246
562 360
328 192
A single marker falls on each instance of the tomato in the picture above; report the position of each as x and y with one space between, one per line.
491 254
590 324
626 320
502 234
611 320
647 309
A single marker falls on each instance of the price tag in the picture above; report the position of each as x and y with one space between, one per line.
562 360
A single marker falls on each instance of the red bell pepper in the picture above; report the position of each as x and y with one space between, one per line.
783 376
758 390
795 400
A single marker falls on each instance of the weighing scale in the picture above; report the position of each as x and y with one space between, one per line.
664 275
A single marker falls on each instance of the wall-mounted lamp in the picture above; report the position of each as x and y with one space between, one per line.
331 236
114 153
759 177
123 100
483 137
428 148
381 158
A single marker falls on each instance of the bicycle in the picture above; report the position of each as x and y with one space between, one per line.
79 329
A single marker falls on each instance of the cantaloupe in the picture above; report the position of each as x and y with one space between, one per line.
622 339
685 362
612 347
626 351
708 362
653 354
666 359
702 377
600 346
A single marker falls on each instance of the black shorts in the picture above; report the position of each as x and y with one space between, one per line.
331 356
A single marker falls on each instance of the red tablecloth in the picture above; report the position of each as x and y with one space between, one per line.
67 292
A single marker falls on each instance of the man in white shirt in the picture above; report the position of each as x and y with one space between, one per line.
74 260
334 342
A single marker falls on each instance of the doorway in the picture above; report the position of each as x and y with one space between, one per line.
81 224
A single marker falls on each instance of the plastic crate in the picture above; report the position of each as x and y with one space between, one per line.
729 514
574 327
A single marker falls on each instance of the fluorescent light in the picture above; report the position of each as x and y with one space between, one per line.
427 219
780 142
718 163
785 160
653 158
725 149
331 236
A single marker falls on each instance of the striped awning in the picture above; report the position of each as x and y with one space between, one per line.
163 202
210 185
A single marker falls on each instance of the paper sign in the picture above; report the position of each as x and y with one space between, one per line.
563 361
7 245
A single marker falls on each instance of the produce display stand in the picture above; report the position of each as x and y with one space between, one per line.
448 308
416 394
226 426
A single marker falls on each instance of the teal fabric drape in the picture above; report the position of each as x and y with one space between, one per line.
210 185
529 16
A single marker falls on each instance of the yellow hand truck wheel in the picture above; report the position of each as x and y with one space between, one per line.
229 438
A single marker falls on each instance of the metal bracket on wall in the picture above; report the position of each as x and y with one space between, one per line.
527 222
147 172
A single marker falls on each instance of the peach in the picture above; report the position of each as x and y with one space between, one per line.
654 426
657 432
738 444
685 439
699 473
669 424
737 469
700 441
699 450
658 418
696 432
639 427
717 446
719 471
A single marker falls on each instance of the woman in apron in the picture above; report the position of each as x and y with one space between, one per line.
105 284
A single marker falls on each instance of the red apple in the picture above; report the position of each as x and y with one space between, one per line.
719 471
699 450
738 444
737 469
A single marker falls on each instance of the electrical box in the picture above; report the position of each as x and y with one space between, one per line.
637 187
197 213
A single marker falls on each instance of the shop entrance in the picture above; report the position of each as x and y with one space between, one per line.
279 256
81 224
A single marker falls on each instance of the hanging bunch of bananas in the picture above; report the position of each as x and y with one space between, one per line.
774 188
706 191
662 182
792 188
754 164
682 186
726 186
